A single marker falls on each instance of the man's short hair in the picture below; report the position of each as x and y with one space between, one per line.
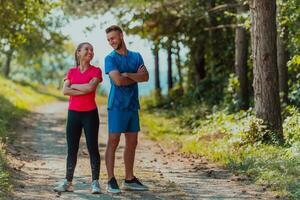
113 28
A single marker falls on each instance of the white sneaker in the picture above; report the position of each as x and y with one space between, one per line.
96 187
65 186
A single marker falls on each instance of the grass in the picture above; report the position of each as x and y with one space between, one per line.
5 185
16 101
234 141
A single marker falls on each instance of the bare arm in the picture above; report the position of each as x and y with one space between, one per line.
87 87
120 80
68 91
141 75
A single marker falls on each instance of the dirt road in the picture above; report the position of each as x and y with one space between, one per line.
38 162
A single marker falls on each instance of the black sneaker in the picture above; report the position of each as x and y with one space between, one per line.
134 184
112 186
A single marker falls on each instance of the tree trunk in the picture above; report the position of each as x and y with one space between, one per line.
241 56
170 79
265 72
282 58
200 63
6 66
156 70
178 63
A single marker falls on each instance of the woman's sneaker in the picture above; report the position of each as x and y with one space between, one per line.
134 184
112 186
65 186
96 187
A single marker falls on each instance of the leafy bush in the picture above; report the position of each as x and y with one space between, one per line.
291 127
238 141
294 81
231 97
5 186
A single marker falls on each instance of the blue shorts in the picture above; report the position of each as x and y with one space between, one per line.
123 121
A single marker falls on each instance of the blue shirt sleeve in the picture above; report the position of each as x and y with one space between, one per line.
109 64
140 60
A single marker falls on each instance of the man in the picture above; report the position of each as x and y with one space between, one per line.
125 69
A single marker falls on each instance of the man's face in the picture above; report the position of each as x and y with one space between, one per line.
115 39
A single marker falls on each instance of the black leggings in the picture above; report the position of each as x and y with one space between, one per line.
89 121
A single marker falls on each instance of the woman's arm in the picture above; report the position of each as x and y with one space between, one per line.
68 91
87 87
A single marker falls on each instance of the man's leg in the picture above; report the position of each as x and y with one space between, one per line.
117 123
131 140
131 182
112 144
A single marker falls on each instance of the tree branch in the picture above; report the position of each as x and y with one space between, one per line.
223 26
224 7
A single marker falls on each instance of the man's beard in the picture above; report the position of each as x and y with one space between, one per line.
119 46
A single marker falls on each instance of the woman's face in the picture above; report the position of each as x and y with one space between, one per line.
86 52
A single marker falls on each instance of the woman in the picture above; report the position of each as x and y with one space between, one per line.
80 84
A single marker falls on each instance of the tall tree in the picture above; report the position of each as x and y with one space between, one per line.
156 70
241 56
200 62
170 78
179 66
265 83
22 20
6 66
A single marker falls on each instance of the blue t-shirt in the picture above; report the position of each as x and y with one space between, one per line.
123 97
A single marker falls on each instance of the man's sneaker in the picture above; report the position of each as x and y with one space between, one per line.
96 187
134 184
112 186
65 186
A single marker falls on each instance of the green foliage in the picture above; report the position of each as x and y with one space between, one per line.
79 8
31 37
196 26
238 140
20 19
208 91
5 185
289 18
231 98
176 92
275 167
167 22
47 68
291 126
16 100
155 100
294 82
160 128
